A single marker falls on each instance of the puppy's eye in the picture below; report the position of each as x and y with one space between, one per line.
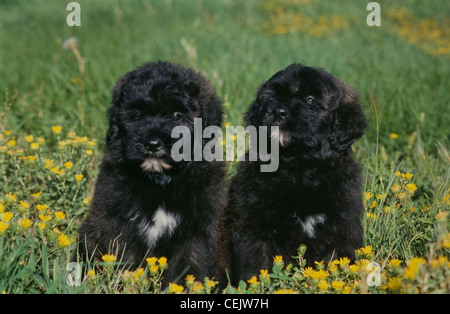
310 100
176 115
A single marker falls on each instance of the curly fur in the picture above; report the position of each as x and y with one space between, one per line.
145 203
315 196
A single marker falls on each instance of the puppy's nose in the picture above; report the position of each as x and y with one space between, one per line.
154 145
281 113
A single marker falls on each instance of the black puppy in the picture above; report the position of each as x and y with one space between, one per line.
145 203
314 197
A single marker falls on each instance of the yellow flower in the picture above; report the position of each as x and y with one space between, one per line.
347 290
411 187
151 260
48 163
284 291
263 272
337 285
79 177
34 146
11 197
24 204
68 164
41 207
11 143
308 271
29 138
45 217
344 261
394 136
36 195
154 268
278 259
87 200
6 216
2 207
395 262
3 226
253 281
91 273
41 225
162 261
320 274
63 240
353 268
174 288
138 273
413 267
211 283
89 152
323 285
367 251
394 283
25 222
57 129
109 258
190 279
60 215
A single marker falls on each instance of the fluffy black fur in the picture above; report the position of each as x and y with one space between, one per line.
138 177
315 196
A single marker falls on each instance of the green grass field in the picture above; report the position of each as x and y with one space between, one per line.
53 121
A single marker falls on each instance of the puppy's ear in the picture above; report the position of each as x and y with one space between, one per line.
348 121
113 137
252 114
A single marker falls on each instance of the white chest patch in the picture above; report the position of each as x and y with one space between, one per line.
162 223
309 223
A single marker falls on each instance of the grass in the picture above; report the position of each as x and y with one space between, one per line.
401 70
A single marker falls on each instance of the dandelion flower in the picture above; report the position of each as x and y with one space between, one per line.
34 146
68 164
91 273
162 261
109 258
29 138
41 225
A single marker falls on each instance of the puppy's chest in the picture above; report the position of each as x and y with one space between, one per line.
152 228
